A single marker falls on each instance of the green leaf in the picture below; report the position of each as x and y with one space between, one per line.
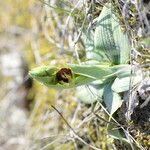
117 133
101 71
91 55
125 83
91 71
112 99
123 70
86 94
91 92
111 44
88 39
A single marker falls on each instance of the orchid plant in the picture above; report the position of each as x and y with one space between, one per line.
107 71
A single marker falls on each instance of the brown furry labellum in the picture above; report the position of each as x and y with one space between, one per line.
64 74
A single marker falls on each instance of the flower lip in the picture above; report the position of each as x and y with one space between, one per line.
64 74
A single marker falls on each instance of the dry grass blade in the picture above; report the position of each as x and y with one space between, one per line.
74 132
